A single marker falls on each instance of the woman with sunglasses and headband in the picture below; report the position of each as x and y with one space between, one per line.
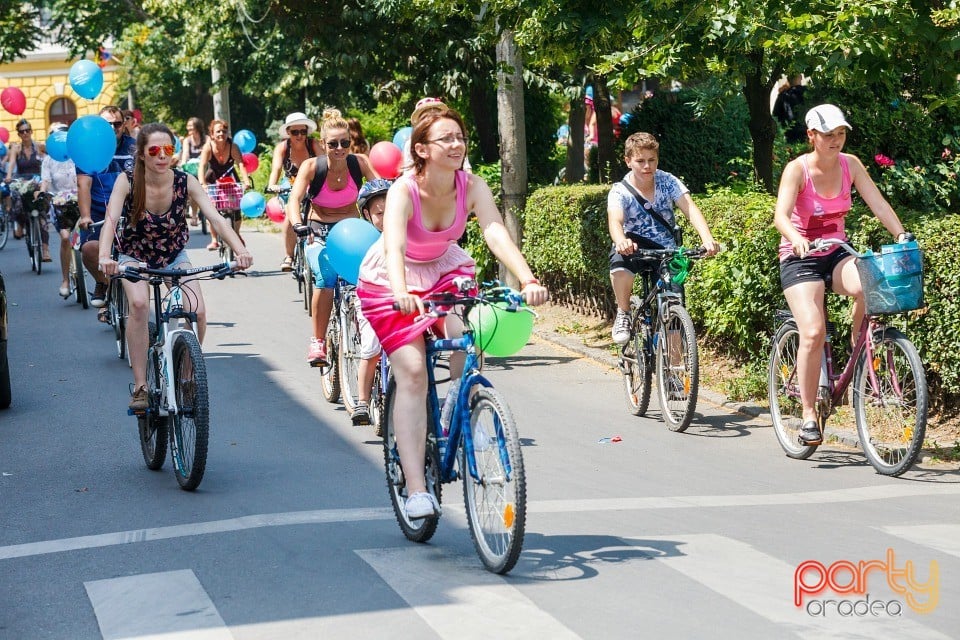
24 164
332 202
294 148
155 198
221 160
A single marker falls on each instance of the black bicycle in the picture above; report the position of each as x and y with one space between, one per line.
662 337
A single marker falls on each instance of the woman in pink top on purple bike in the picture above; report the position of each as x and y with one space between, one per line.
417 255
813 200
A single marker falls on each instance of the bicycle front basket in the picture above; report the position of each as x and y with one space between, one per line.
892 286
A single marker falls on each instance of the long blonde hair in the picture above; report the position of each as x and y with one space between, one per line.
138 199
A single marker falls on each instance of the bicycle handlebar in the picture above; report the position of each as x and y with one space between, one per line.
693 254
439 304
143 272
278 190
822 244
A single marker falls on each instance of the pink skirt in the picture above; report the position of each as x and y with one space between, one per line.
376 297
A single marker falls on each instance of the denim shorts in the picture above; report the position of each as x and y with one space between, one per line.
324 275
178 262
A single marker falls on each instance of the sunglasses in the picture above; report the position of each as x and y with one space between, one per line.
344 143
154 150
23 131
297 132
117 125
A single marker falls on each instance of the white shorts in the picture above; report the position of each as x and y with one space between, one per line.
369 343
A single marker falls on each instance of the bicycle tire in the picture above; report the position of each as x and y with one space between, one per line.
307 287
349 356
190 426
330 374
203 223
636 364
496 505
678 385
153 427
783 392
36 251
892 419
377 401
117 304
79 280
297 265
4 227
421 529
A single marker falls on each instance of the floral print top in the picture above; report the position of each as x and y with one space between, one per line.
158 238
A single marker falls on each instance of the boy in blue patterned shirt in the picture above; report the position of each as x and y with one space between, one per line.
640 214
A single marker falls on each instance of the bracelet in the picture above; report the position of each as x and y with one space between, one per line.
529 281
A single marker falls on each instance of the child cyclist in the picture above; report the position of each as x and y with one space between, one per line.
371 201
640 214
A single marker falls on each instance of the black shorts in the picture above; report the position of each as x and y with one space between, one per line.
634 263
794 270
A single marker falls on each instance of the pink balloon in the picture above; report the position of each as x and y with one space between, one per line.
250 162
13 100
386 158
275 210
4 135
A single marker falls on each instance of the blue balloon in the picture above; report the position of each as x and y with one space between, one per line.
625 120
252 204
347 244
91 143
3 150
245 140
176 145
57 146
86 78
401 136
590 91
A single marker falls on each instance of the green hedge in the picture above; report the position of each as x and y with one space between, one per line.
733 296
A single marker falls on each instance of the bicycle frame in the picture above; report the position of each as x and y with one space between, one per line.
166 337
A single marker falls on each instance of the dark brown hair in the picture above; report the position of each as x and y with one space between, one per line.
422 129
138 189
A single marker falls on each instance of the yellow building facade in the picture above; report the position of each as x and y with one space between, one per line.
43 76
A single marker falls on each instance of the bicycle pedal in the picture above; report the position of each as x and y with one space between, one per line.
319 365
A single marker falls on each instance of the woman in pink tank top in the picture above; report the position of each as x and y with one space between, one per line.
417 255
813 200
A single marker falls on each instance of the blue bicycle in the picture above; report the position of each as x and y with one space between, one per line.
480 446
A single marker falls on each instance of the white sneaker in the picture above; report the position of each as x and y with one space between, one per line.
621 327
421 505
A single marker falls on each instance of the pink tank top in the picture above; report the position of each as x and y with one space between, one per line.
424 245
815 216
330 199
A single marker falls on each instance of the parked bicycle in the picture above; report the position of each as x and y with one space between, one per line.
480 445
178 410
890 398
662 337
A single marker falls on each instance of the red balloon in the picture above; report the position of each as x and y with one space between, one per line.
13 100
275 210
386 158
4 135
250 162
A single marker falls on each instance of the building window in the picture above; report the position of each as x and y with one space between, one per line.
63 110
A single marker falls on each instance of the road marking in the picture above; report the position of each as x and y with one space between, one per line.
764 585
942 537
154 606
458 598
332 516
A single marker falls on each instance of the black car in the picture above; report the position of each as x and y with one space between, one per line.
4 365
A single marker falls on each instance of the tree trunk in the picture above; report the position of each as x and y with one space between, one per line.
513 139
763 129
601 104
483 116
574 166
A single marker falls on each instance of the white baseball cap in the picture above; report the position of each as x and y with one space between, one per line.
825 118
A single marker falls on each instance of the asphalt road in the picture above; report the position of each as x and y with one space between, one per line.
696 535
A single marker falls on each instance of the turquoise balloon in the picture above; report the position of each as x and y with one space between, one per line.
252 204
347 244
86 78
57 146
91 143
401 136
3 150
176 145
245 140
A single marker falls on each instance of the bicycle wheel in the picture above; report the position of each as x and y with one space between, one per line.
349 354
79 280
330 374
783 391
36 254
421 529
377 399
890 403
151 426
678 368
4 227
190 428
307 276
635 363
118 316
496 500
203 223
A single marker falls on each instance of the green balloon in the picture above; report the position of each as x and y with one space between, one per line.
499 332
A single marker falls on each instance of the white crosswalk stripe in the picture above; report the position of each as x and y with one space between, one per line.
942 537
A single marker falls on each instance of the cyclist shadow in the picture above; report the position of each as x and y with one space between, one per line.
721 426
519 362
578 557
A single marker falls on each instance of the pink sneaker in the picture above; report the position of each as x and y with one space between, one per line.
317 355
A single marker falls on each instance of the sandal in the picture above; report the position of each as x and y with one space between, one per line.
103 315
287 264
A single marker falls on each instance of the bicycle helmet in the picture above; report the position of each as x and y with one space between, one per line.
370 189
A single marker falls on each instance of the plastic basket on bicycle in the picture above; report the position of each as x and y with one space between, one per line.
225 195
893 281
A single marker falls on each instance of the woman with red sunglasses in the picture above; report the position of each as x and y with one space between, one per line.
156 233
